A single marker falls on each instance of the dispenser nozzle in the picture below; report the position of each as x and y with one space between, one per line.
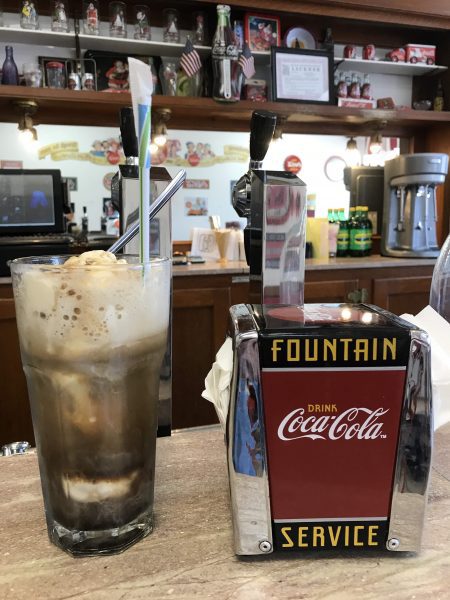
262 128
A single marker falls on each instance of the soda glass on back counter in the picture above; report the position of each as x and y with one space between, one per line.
92 340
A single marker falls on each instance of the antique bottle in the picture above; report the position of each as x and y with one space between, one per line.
438 102
355 88
226 87
366 91
10 75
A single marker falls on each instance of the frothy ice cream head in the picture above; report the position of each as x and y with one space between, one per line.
89 304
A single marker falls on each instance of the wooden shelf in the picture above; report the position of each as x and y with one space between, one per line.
68 107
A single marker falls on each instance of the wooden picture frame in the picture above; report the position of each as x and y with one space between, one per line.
262 32
304 76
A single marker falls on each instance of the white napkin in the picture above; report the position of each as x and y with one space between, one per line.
439 334
218 380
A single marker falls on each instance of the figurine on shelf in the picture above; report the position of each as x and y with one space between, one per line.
29 17
142 23
88 82
117 19
59 17
90 13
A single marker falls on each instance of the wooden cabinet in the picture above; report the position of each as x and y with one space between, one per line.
401 294
15 418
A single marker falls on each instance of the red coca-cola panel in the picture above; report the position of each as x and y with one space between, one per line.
331 441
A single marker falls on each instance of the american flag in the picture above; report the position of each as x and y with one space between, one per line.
247 62
190 59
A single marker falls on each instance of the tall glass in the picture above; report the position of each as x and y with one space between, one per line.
92 341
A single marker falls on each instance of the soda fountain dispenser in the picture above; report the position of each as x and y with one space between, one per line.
274 203
329 424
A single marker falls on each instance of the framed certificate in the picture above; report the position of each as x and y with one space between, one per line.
302 76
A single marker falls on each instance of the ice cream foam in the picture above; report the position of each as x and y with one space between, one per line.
91 304
82 489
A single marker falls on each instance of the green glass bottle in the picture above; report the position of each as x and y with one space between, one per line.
343 234
366 224
357 234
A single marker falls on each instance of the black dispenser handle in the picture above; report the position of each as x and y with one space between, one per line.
128 132
262 128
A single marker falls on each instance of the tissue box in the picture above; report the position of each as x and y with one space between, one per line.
329 429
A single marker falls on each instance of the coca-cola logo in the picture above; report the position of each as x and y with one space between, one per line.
360 423
225 51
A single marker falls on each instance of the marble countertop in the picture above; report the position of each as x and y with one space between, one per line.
190 554
312 264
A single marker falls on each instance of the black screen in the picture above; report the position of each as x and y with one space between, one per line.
30 202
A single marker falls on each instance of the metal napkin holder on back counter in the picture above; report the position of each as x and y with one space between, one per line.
329 429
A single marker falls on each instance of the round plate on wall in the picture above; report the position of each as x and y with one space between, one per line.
297 37
334 168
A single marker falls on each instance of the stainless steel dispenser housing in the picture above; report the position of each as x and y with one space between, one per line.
409 213
274 203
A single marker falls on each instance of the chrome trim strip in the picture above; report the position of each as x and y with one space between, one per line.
246 445
414 452
331 520
346 369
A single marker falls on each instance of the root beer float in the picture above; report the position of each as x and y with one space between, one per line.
329 429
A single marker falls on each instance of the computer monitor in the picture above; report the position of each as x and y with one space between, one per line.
31 201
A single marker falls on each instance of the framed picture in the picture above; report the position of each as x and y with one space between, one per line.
302 76
262 32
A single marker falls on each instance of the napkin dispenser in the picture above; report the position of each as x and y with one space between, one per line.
329 429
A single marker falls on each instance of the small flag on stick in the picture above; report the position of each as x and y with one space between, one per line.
190 59
247 62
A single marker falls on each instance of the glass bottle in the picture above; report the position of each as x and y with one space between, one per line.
90 17
438 102
226 71
168 76
343 236
29 18
342 90
60 22
199 29
440 284
328 42
118 19
366 225
366 90
10 74
142 29
354 230
355 87
171 30
84 221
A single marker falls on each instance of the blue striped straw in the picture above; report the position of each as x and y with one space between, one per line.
141 84
144 112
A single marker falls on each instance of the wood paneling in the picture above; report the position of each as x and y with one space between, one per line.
403 294
15 417
199 328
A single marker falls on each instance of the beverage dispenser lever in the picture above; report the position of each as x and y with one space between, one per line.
262 128
128 134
